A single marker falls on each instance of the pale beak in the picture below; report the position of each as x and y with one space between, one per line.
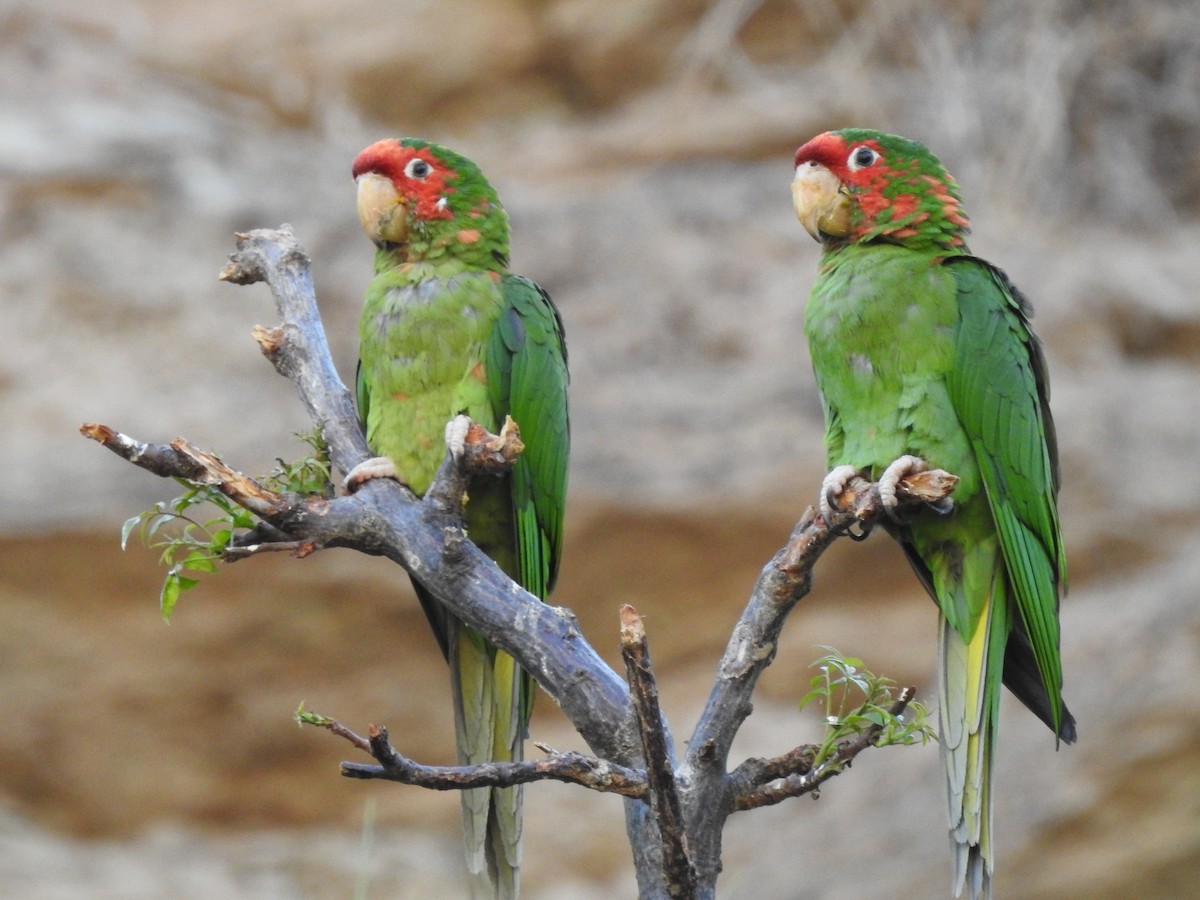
381 212
822 206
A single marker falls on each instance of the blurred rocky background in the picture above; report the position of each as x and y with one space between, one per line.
643 151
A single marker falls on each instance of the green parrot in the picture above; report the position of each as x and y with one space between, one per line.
447 331
923 354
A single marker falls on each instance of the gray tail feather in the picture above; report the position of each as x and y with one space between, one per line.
971 870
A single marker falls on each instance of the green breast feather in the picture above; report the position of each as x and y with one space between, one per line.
422 345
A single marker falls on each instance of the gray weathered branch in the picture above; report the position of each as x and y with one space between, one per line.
677 847
297 347
570 767
665 806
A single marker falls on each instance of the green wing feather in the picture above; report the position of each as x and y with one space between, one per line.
999 389
526 365
527 379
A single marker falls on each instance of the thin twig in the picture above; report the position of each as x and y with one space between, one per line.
768 782
161 459
181 459
298 549
756 771
571 767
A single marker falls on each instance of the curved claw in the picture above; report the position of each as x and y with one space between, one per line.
864 531
942 507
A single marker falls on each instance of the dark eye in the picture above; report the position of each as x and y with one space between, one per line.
416 168
860 158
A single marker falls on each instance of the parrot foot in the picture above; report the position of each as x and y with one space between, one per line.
456 436
833 486
375 467
899 470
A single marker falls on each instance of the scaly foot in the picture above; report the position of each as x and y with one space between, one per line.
375 467
891 477
889 482
832 486
456 436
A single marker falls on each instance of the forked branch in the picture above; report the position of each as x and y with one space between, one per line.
677 810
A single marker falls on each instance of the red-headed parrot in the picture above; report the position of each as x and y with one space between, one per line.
446 331
923 354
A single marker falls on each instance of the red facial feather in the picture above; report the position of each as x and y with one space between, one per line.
890 190
828 149
833 152
422 195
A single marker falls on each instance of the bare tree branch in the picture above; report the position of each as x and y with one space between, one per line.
298 347
383 518
784 581
675 816
570 767
765 782
665 805
247 547
181 459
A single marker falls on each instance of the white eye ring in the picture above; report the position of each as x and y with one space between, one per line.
416 168
861 157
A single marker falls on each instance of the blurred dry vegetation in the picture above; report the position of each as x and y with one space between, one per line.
643 152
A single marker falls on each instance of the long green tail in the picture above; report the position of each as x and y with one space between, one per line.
488 690
970 719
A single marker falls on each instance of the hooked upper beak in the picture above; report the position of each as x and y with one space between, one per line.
822 206
381 212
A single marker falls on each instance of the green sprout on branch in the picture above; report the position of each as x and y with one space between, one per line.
854 700
195 530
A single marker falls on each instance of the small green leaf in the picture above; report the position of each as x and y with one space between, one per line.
127 529
304 717
199 561
809 697
243 519
169 595
153 523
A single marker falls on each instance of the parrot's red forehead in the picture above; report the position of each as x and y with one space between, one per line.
422 187
389 157
828 149
832 151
